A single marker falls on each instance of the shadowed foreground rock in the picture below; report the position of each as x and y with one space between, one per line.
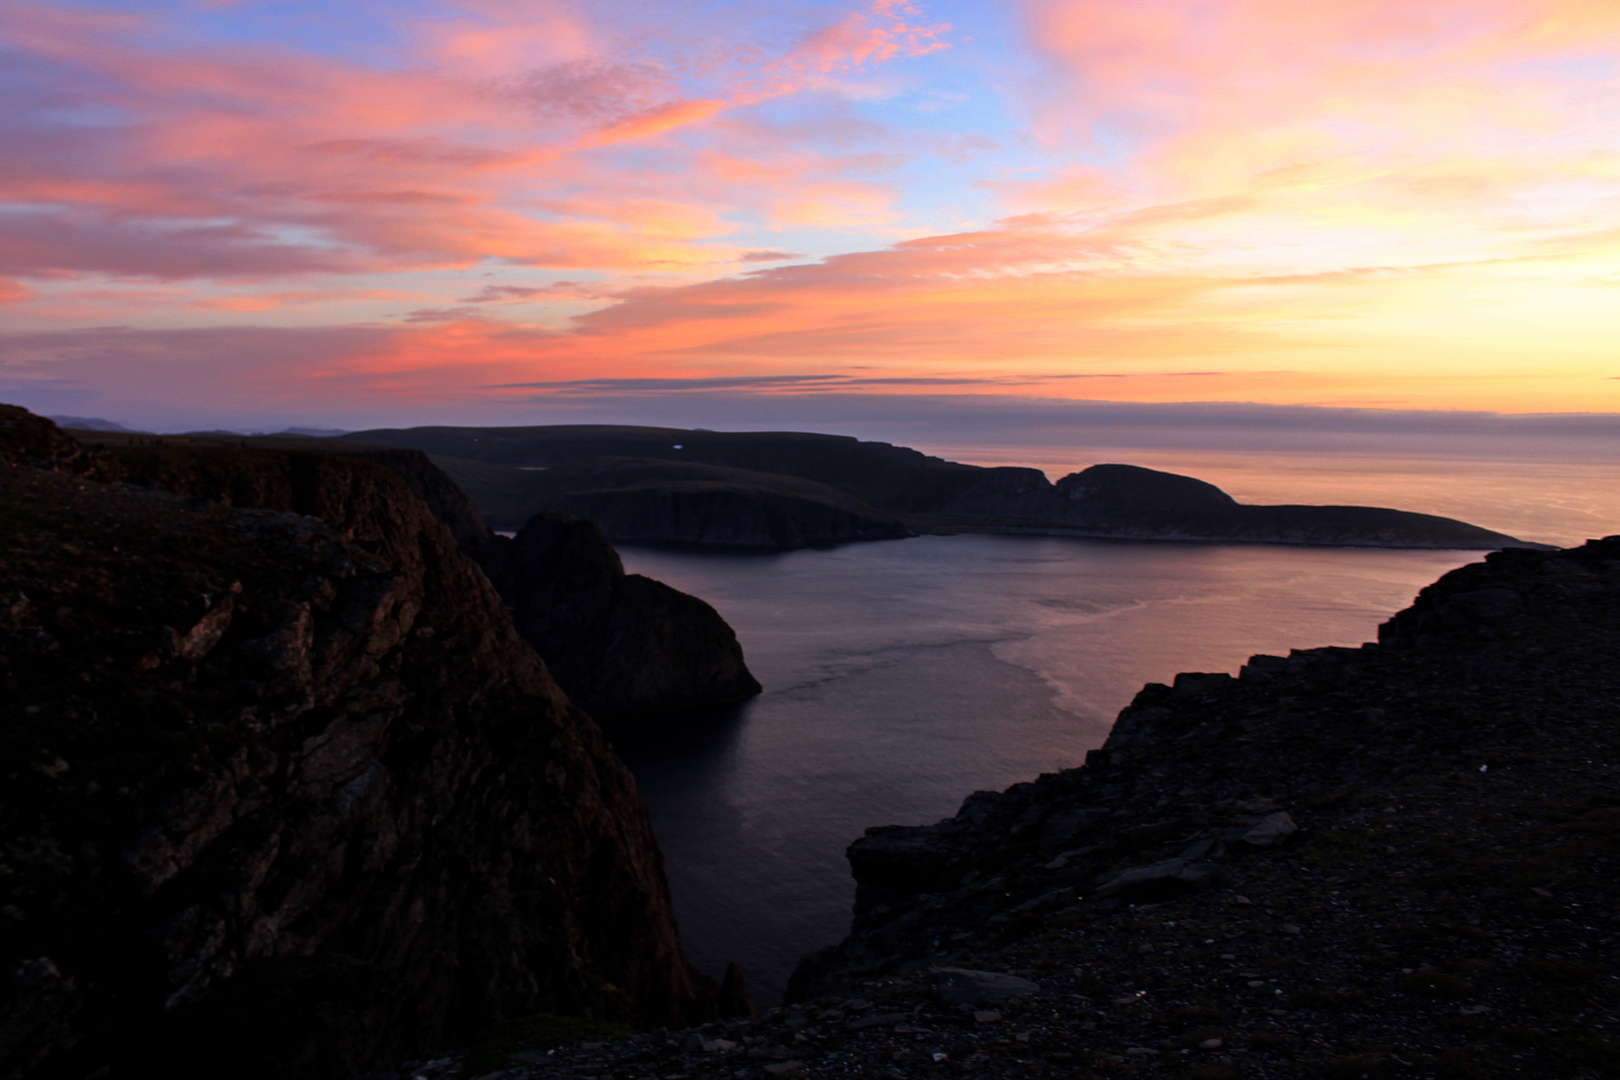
625 647
286 795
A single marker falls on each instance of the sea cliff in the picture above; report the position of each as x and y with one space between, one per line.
284 788
631 651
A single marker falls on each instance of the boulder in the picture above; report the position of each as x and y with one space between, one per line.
1159 881
1272 830
966 986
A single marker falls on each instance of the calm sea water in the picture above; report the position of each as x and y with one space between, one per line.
901 676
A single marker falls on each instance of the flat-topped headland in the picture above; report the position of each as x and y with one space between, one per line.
794 489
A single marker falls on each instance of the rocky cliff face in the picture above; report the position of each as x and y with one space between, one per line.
625 647
644 652
284 788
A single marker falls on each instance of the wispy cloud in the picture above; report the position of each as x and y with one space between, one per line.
190 161
1334 204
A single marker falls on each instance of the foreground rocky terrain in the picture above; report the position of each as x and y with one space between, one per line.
283 788
789 489
1394 861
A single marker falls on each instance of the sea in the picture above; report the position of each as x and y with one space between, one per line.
901 676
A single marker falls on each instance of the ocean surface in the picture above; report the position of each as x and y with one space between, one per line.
901 676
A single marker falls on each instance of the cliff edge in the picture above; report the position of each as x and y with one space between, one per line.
284 788
626 648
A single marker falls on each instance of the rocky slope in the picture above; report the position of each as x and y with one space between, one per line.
626 648
285 789
1396 861
500 466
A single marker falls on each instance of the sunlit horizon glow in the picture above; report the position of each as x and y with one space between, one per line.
481 205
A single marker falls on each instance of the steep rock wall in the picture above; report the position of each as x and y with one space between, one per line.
291 792
625 647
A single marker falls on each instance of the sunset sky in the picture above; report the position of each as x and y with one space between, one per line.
507 211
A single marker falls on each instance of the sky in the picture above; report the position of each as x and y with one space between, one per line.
353 213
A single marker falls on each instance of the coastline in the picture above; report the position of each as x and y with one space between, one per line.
1382 861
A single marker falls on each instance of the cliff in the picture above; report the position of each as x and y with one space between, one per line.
893 486
284 788
176 463
626 648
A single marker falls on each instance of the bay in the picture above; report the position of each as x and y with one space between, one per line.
900 676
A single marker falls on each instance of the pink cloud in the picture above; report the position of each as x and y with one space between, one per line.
235 161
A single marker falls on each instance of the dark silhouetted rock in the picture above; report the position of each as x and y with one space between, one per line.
734 998
284 788
1160 881
894 486
623 646
646 501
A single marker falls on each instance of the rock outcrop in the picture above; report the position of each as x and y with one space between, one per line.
894 488
283 788
629 650
626 648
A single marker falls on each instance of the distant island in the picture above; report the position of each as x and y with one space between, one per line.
784 490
